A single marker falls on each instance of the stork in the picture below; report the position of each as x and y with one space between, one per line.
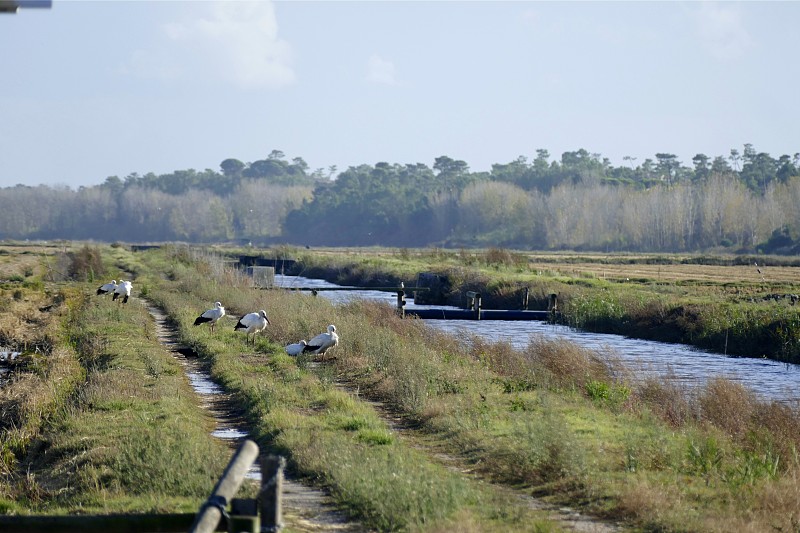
211 316
252 323
297 348
107 288
323 342
123 289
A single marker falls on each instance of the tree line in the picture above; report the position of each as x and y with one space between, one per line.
747 201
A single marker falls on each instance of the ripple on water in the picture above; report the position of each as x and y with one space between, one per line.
679 363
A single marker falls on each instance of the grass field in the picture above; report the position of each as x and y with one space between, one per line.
484 424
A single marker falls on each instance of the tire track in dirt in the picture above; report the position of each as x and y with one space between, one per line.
566 518
305 509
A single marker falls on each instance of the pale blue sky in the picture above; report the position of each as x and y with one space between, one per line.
94 89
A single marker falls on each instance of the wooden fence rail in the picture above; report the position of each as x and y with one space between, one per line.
213 514
215 507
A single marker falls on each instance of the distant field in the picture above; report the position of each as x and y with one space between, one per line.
650 267
21 260
677 272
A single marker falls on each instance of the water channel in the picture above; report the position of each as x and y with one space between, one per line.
688 366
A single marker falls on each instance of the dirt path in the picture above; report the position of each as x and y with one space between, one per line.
305 509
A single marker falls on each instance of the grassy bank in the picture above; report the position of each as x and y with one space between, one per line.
554 419
102 420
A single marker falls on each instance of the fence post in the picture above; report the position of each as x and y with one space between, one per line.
270 495
212 510
552 306
475 303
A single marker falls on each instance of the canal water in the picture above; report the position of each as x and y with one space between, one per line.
685 365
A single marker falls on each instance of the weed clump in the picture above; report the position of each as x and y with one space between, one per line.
86 264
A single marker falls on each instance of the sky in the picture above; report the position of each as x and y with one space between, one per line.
92 89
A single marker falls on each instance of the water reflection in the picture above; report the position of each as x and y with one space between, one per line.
203 385
687 365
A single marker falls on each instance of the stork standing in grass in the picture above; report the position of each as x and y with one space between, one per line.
252 323
323 342
124 290
297 348
211 316
108 288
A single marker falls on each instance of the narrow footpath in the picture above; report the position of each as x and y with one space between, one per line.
305 508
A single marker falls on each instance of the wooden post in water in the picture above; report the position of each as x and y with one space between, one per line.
475 303
212 510
552 305
525 298
270 496
401 303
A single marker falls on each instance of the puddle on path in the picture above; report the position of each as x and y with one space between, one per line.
305 509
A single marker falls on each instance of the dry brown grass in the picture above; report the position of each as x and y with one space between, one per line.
616 266
566 364
780 502
645 501
666 399
23 266
22 323
672 272
781 423
728 406
41 376
28 398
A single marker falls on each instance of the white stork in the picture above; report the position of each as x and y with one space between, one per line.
211 316
108 287
123 289
323 342
252 323
297 348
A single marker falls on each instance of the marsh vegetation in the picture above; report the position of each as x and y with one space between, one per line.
552 420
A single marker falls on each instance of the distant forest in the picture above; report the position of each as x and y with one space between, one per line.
747 201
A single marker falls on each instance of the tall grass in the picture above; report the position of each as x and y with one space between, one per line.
329 434
43 377
132 436
554 417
